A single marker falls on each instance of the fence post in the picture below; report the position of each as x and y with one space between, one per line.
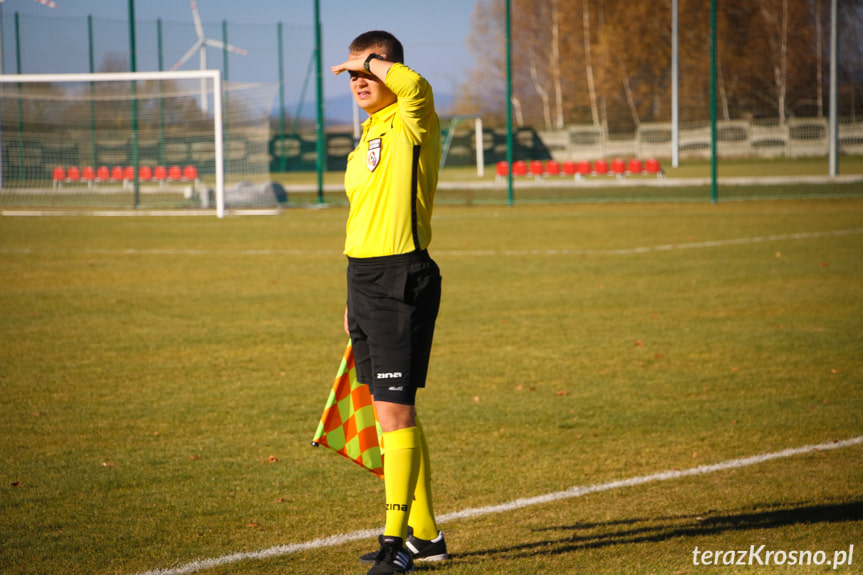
713 190
509 142
133 67
321 141
283 161
834 89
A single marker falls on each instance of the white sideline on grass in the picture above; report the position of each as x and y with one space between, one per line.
462 253
577 491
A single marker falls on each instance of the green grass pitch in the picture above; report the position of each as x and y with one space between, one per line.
161 379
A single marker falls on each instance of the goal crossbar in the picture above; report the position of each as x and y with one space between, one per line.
213 75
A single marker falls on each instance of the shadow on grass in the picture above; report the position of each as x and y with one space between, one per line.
581 536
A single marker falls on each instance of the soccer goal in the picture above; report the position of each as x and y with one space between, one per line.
134 141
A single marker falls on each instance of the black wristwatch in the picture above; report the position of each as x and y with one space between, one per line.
369 58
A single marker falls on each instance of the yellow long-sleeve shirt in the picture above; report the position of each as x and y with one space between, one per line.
392 175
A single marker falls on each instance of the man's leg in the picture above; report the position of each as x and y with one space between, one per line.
402 459
422 518
405 448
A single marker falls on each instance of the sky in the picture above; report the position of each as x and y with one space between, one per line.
434 35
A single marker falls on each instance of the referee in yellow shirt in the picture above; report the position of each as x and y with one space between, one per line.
394 287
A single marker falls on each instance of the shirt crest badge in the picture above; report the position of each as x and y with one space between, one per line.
373 158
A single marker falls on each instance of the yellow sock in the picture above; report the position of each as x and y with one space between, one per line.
401 467
422 512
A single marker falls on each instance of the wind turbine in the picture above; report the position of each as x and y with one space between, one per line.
47 3
201 47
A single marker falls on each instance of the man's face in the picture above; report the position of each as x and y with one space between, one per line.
370 93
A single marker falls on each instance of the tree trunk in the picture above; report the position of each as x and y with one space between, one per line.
516 107
591 87
543 94
783 62
819 60
555 65
777 35
633 109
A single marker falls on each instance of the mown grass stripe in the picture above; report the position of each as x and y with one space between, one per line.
464 253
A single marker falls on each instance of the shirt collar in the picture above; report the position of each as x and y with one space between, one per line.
382 115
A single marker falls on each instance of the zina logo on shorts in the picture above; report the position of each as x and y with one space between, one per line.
390 375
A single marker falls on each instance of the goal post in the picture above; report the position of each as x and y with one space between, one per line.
131 140
478 142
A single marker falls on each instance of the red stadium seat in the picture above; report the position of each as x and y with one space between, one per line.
73 174
618 167
160 173
651 166
569 168
129 174
88 174
117 173
600 167
103 174
175 173
58 175
583 168
502 169
519 168
634 166
145 174
190 173
552 168
536 169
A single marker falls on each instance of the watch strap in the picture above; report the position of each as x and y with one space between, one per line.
369 58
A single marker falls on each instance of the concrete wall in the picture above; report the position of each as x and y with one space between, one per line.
736 138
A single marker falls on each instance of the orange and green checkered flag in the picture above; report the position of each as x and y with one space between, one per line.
349 424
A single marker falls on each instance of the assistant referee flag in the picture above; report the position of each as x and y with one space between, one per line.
349 425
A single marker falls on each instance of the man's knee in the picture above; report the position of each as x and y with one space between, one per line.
395 416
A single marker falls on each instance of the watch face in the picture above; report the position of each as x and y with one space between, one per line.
369 58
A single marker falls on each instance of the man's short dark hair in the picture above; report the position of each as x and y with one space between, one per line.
384 40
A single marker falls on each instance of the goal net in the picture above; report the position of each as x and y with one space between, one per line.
145 141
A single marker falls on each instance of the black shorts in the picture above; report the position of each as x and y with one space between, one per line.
393 303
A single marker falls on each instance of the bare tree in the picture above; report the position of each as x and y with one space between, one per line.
606 62
554 64
775 15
